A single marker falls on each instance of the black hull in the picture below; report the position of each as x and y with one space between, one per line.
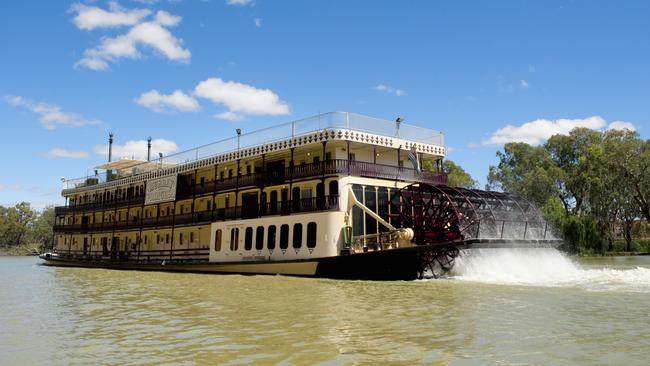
403 264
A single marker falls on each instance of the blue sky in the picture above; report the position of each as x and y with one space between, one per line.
188 72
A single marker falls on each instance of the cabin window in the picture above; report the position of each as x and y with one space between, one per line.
234 238
270 241
383 203
370 201
311 235
259 238
357 213
284 236
297 236
217 240
248 239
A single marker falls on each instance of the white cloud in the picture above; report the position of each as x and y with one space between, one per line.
63 153
389 89
166 19
621 125
91 17
175 101
138 149
258 22
239 2
51 116
153 34
240 99
383 88
524 84
537 131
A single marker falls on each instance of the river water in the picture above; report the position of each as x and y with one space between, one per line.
499 307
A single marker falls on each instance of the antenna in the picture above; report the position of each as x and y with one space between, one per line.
149 148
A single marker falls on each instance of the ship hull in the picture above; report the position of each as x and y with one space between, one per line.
385 265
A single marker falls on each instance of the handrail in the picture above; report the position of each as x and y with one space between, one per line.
311 170
305 126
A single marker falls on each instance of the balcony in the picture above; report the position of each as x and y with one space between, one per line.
314 204
263 179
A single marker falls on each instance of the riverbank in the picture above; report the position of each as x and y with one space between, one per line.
21 250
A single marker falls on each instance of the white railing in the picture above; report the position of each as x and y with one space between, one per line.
331 120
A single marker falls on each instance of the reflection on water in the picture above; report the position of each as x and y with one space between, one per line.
89 316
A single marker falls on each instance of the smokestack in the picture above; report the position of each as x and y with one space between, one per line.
110 146
149 149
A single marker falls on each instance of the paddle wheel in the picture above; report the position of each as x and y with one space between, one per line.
444 219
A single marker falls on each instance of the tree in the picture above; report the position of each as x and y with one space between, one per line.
41 232
526 170
569 153
15 223
457 176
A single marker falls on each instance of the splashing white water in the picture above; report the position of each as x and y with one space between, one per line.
544 267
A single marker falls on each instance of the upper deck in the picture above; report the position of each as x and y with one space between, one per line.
343 126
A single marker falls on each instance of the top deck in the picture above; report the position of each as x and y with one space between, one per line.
327 121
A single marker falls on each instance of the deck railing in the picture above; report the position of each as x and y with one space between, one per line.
180 254
329 121
262 179
312 204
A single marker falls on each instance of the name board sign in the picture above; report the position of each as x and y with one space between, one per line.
160 190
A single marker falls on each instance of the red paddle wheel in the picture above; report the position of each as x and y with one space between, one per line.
437 214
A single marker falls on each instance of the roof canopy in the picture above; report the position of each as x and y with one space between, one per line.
120 164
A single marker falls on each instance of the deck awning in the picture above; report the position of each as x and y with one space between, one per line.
120 164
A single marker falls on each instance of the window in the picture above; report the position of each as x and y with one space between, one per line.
284 236
270 241
192 237
259 238
311 235
297 236
248 239
217 240
234 238
180 238
167 238
353 157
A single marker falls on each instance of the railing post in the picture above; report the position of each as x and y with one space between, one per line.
525 230
502 227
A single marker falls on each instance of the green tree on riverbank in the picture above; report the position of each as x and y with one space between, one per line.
594 186
22 226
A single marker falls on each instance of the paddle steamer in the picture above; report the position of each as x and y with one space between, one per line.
337 195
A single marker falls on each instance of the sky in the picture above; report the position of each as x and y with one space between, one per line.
189 72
